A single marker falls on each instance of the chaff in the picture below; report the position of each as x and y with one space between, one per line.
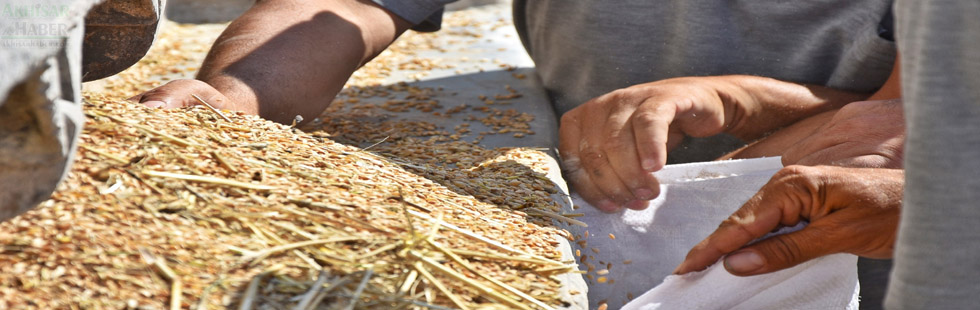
202 190
493 294
104 154
360 288
165 136
207 179
257 256
315 289
479 237
441 287
161 267
469 267
210 107
251 292
558 217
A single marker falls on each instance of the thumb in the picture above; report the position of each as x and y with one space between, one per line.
780 252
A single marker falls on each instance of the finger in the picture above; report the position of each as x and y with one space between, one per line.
651 125
751 222
598 116
626 163
850 210
168 96
602 175
778 203
619 146
568 145
784 251
583 185
154 104
569 136
852 155
180 93
867 232
148 103
816 140
860 150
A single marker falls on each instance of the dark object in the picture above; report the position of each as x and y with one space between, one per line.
886 29
117 35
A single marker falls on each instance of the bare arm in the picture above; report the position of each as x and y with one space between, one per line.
755 106
850 136
284 58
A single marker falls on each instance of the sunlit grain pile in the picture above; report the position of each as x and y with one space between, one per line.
185 209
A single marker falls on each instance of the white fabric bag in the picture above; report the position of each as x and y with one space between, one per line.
636 250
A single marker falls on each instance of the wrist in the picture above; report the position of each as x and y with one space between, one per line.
760 105
739 102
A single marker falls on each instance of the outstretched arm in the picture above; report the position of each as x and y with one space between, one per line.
284 58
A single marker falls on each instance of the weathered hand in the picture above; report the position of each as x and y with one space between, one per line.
861 134
179 94
612 144
850 210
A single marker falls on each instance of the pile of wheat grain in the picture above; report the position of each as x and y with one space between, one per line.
188 209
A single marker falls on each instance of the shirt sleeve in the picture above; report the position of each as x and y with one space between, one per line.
936 254
425 15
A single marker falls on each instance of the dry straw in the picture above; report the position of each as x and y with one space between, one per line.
173 209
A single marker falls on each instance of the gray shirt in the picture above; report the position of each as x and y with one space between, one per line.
937 255
583 49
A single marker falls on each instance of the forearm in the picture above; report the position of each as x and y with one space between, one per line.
756 105
893 86
284 58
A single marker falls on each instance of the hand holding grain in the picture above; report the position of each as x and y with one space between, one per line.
611 145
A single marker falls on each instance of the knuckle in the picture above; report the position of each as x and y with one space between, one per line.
796 181
646 119
785 251
619 194
792 172
738 226
616 95
616 144
592 159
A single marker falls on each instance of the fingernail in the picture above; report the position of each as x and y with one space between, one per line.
637 204
649 164
643 193
607 206
154 104
744 262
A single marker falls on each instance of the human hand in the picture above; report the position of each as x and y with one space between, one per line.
861 134
180 93
612 144
850 210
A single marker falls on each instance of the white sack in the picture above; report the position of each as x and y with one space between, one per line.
694 199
